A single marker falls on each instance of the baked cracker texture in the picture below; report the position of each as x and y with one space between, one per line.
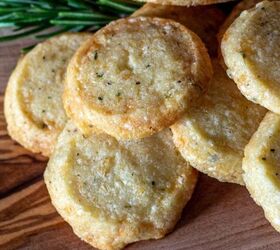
236 11
205 21
33 105
213 134
135 77
251 51
113 192
261 168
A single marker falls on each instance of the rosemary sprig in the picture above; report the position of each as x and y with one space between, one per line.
45 18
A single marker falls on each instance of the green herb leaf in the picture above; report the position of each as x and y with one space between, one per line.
31 17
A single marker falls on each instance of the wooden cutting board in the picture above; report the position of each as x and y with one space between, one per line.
219 216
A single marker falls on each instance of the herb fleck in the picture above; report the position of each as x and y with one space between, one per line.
137 83
148 66
44 125
109 83
118 94
153 183
44 58
179 81
243 54
43 111
263 23
264 158
214 158
272 150
99 74
95 55
100 98
49 97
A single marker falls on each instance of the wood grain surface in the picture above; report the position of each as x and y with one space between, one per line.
219 216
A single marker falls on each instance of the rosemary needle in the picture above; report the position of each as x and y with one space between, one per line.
35 17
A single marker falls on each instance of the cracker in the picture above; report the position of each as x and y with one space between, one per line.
113 192
136 77
33 103
251 52
261 168
236 11
212 135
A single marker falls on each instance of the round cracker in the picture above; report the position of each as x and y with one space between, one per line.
185 2
136 77
236 11
33 104
113 192
261 168
212 135
202 20
252 54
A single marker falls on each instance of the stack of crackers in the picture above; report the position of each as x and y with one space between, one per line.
130 114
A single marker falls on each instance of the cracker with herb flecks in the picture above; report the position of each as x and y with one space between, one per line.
33 104
114 193
236 11
136 77
212 135
262 170
251 51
